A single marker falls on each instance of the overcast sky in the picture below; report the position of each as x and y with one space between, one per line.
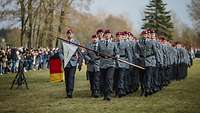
133 9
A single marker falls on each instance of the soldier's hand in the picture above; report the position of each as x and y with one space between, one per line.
116 57
79 67
97 53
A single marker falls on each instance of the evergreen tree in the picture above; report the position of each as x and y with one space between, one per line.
158 18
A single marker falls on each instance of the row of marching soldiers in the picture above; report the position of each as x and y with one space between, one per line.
163 60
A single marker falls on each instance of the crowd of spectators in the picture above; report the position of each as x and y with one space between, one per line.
34 59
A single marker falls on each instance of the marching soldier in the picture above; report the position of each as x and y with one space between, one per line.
70 69
134 72
93 66
100 36
172 58
121 68
155 79
145 51
128 82
107 65
175 65
179 67
165 80
183 62
187 61
162 62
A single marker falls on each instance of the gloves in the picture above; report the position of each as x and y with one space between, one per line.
79 67
116 57
97 53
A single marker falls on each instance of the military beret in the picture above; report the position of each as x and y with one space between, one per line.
162 38
94 36
121 33
144 32
130 34
99 31
125 33
148 30
69 31
118 33
107 31
152 31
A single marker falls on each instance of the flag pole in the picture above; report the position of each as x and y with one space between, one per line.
103 55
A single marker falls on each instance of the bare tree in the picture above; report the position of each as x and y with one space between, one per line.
194 8
41 21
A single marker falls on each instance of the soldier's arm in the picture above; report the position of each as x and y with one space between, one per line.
80 56
128 52
187 57
116 51
86 55
157 53
137 51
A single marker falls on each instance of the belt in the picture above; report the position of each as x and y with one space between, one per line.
125 56
149 55
122 55
141 56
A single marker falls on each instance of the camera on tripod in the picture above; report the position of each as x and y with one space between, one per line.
21 66
20 78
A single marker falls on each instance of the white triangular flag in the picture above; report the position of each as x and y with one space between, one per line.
68 51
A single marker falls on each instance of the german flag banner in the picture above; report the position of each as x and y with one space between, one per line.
56 69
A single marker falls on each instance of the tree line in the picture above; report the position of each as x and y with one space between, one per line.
42 21
35 23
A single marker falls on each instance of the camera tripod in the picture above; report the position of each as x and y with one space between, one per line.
20 78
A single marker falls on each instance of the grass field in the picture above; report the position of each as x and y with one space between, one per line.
46 97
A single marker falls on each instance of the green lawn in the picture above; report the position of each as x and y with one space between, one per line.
46 97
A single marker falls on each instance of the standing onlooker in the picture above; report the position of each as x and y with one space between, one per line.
14 59
40 59
4 62
1 62
35 54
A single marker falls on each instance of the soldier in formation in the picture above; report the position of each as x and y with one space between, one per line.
164 61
